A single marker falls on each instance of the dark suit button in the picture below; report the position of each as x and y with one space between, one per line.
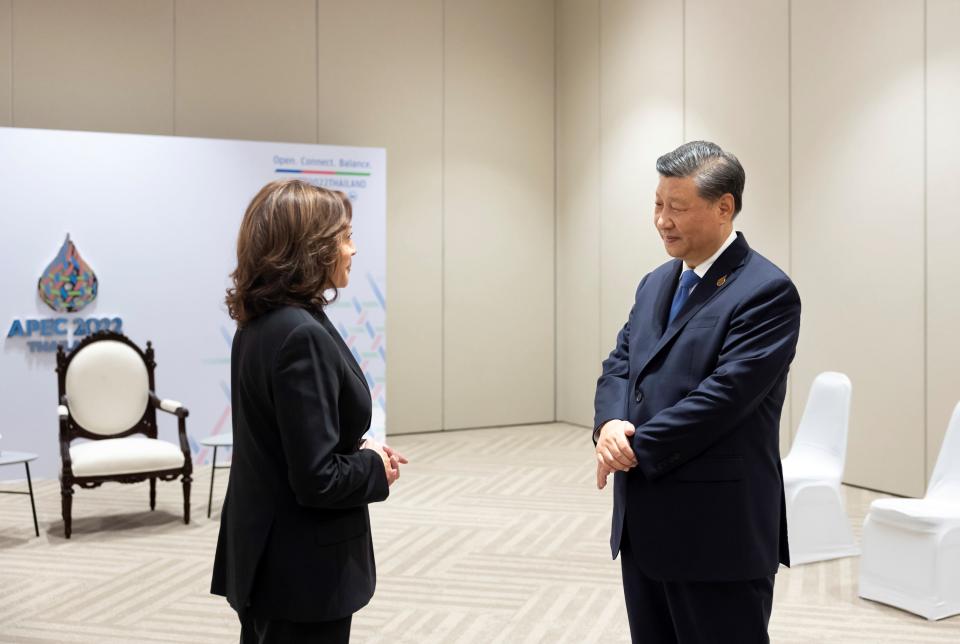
639 396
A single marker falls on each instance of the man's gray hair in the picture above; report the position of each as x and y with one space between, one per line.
714 171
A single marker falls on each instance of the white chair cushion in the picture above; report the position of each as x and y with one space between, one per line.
916 514
124 456
107 387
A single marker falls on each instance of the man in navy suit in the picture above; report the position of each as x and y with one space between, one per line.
688 414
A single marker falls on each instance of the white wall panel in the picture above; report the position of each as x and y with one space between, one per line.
6 63
641 118
857 224
105 65
246 70
396 103
498 212
578 208
943 222
738 96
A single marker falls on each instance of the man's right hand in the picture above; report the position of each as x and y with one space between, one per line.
613 446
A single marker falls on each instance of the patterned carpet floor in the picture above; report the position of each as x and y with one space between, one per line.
494 535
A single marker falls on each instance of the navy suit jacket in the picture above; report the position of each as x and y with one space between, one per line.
705 502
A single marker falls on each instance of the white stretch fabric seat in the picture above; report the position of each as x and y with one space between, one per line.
911 547
817 521
124 456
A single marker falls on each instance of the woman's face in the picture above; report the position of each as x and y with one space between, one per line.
341 273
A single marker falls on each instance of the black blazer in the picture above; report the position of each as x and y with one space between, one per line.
294 530
705 502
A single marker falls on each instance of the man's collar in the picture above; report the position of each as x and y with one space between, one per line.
705 265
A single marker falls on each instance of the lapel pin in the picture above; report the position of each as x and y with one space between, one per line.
722 281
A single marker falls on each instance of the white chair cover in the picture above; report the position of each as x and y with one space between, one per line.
817 522
911 547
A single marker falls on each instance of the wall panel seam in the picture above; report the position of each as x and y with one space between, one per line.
790 136
13 67
173 53
443 215
683 71
926 266
556 209
790 398
600 344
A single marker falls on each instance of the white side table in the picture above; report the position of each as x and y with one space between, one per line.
219 440
12 458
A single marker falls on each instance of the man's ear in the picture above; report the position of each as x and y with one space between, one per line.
726 206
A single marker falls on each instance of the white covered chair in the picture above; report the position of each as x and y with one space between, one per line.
817 521
106 387
911 547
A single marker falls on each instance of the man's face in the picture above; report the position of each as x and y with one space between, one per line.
692 228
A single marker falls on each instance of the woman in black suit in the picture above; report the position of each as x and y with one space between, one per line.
294 557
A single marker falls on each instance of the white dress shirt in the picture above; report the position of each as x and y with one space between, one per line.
704 266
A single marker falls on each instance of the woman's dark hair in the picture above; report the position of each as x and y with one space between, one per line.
287 249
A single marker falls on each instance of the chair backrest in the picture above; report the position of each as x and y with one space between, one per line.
823 426
945 481
107 387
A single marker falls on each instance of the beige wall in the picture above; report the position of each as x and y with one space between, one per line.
6 49
648 102
843 114
851 187
394 90
461 95
498 247
105 65
746 112
641 91
227 57
578 205
618 109
943 219
857 235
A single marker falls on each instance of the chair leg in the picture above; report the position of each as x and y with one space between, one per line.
33 506
213 471
66 498
186 498
153 492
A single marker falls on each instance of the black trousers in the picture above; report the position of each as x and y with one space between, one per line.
699 612
256 630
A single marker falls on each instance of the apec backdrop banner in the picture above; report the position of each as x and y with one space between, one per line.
138 234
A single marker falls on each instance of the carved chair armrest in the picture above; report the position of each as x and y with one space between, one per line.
181 412
170 406
63 412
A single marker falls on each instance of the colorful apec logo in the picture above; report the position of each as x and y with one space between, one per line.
68 283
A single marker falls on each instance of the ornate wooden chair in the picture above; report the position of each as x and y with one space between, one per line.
107 396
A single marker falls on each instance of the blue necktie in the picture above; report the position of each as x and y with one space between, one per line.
688 279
